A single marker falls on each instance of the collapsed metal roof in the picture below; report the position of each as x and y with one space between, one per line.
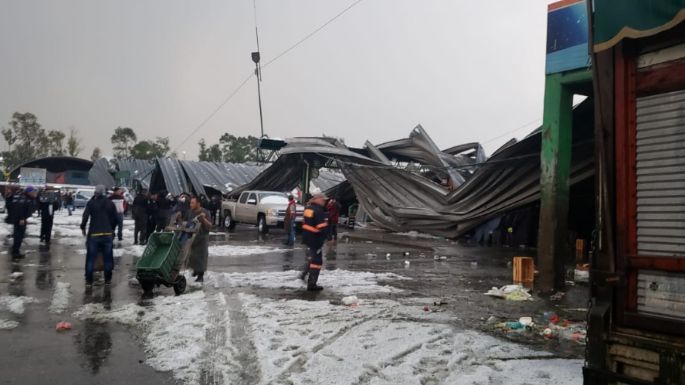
99 173
139 170
178 176
409 184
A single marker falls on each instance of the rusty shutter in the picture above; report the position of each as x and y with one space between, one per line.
661 174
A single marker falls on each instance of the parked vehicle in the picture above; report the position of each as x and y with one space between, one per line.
82 196
262 208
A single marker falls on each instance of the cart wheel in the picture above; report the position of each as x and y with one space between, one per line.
180 285
147 287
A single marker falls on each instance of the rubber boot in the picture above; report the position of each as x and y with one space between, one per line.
313 278
305 271
200 277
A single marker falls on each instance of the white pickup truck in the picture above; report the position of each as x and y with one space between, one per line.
262 208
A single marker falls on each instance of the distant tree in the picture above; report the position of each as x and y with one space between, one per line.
123 141
74 147
26 139
148 149
55 143
97 154
238 149
211 153
202 153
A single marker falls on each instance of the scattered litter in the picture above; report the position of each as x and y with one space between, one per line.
443 258
350 301
547 333
16 275
514 325
426 308
526 321
440 302
474 265
436 257
492 319
557 296
510 293
407 263
406 253
387 255
63 326
371 255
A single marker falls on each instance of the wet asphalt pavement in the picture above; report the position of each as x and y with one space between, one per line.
109 353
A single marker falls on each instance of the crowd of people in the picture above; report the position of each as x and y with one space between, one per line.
103 221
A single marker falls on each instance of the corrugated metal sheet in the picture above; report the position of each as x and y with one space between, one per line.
661 174
99 173
177 176
140 170
172 174
223 177
404 199
328 179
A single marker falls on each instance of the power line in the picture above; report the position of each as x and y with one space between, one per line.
283 53
511 131
292 47
216 110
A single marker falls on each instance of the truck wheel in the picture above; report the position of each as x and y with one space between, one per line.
229 224
261 224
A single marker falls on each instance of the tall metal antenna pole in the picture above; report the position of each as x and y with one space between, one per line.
258 70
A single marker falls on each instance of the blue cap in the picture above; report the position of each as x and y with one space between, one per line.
30 189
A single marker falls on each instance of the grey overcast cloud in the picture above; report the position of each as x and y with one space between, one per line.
465 70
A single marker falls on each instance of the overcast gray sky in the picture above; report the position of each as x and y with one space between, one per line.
465 70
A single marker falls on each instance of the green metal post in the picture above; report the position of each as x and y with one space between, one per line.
555 167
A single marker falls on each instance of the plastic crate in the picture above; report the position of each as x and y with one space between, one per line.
159 258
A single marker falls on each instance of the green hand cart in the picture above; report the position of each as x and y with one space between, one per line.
163 259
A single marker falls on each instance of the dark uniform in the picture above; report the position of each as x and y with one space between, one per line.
314 237
48 203
21 209
140 216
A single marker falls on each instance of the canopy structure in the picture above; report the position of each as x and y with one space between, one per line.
411 185
615 20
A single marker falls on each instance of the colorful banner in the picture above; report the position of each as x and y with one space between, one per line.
567 36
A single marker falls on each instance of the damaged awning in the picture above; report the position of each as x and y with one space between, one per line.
411 185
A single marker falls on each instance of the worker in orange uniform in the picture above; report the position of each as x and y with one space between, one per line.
314 236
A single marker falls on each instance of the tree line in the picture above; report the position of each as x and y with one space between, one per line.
231 148
28 140
125 145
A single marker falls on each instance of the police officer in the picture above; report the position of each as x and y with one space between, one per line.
314 236
22 207
48 203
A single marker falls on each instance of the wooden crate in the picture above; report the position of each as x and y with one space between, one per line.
524 270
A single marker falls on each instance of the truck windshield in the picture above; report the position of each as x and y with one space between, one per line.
271 194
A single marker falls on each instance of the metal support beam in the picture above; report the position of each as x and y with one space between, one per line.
555 164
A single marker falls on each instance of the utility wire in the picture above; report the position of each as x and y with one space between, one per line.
216 110
283 53
511 131
314 32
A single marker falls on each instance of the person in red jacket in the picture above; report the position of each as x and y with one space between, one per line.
333 209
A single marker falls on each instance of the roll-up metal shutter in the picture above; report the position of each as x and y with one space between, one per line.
661 174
